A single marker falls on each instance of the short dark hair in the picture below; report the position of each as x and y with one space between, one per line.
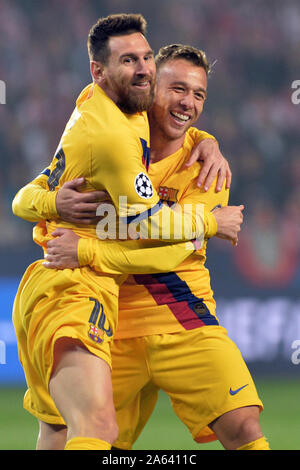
180 51
112 25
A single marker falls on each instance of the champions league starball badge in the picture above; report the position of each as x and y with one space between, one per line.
143 186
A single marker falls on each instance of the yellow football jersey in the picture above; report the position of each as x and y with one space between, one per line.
181 299
111 151
173 301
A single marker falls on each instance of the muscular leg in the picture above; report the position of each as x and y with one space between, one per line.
81 388
238 427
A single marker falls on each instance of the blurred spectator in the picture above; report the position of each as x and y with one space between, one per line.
268 253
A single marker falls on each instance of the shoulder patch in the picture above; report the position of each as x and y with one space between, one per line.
143 186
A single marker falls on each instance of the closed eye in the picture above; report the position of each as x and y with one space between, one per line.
178 89
199 96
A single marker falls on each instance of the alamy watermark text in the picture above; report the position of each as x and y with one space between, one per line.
296 94
295 358
2 352
2 92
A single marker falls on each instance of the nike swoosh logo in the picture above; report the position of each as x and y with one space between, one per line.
234 392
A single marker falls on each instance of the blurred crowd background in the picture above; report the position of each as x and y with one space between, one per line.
255 46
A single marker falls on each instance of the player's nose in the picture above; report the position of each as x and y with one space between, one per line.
143 68
187 101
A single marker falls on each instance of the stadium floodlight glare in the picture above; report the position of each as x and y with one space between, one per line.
2 92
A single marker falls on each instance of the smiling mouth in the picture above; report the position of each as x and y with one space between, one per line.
180 118
142 85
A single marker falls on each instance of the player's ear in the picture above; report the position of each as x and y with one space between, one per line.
97 70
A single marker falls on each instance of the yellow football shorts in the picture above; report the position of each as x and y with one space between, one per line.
201 370
52 304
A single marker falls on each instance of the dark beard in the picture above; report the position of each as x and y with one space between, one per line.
132 101
135 103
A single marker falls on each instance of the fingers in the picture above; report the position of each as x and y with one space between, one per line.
74 184
85 213
77 207
228 177
222 174
46 264
215 171
193 157
53 261
207 175
229 220
86 207
50 265
90 196
54 265
238 228
235 242
93 196
214 165
59 232
84 218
